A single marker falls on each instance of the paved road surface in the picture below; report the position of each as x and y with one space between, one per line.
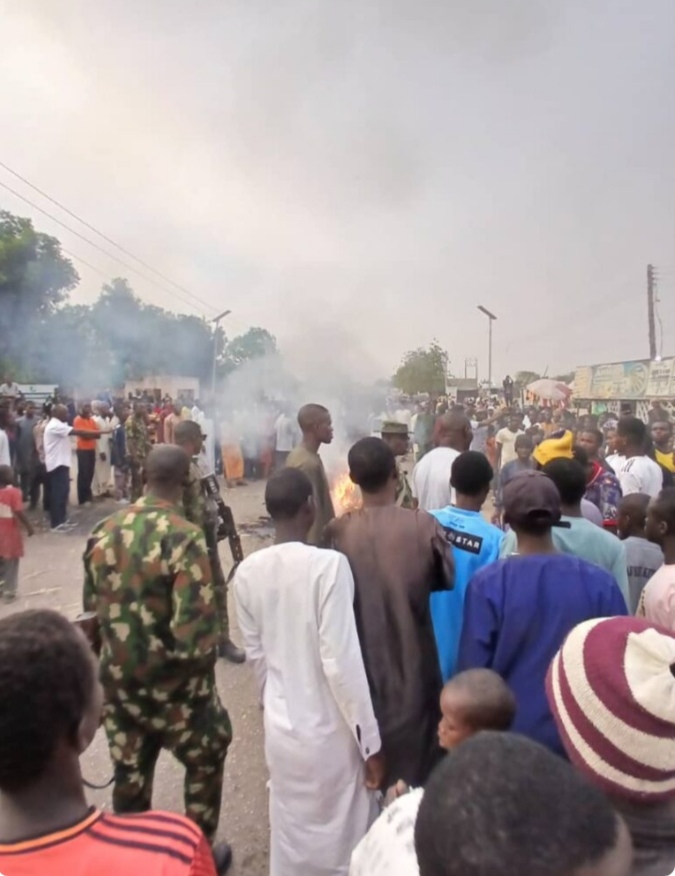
51 576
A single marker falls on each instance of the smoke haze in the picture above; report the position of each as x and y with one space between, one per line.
357 177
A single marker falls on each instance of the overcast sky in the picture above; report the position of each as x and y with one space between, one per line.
357 176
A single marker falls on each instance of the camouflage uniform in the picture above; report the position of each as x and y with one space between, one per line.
138 447
201 510
404 496
148 577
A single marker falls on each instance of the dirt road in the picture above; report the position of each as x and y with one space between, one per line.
51 576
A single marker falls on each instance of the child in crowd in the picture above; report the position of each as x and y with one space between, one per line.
657 602
642 556
11 543
524 447
473 701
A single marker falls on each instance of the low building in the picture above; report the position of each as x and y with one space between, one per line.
636 384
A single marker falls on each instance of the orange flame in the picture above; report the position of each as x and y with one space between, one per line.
345 494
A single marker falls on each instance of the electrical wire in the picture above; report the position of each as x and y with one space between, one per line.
106 238
100 248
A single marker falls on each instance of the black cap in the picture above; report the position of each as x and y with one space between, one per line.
531 497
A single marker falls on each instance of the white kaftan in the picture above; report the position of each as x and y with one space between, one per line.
102 483
295 610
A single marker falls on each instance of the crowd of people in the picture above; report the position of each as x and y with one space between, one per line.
498 680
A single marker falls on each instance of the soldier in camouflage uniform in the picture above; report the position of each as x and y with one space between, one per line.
396 435
201 510
148 578
138 447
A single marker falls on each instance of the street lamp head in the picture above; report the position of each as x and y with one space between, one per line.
486 312
221 316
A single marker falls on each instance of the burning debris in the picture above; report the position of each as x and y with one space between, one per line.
345 494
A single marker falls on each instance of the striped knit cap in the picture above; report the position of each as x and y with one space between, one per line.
612 694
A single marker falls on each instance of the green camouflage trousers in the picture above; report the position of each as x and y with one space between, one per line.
219 582
193 725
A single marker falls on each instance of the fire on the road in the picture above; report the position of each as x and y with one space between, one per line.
345 494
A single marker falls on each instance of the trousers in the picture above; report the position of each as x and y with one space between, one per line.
136 472
195 728
121 483
59 487
9 576
86 463
219 582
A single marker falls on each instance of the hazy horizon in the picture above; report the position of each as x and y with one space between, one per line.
358 177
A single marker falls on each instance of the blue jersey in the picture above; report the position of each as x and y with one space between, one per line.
475 543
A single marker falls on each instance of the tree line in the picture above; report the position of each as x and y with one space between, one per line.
46 339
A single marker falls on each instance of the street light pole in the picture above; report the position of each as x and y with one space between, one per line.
491 318
216 321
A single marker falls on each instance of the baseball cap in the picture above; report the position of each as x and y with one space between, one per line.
531 497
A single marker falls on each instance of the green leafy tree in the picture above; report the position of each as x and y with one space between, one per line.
423 370
35 278
256 343
523 378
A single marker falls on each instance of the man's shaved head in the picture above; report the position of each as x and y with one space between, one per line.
187 432
167 467
454 430
311 415
635 504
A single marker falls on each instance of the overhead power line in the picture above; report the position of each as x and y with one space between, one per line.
101 249
105 237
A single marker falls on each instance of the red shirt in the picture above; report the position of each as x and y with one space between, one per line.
151 844
11 543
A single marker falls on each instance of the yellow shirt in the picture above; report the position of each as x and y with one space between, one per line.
666 460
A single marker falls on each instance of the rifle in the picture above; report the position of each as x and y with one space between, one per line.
227 528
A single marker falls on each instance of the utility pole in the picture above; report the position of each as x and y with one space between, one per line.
216 326
491 317
651 294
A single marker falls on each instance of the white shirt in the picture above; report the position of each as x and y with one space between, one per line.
507 439
286 433
658 598
430 479
637 474
296 616
5 457
388 849
10 389
58 450
403 415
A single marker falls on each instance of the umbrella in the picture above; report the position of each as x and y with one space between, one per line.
551 390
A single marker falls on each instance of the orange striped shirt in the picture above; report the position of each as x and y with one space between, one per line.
102 844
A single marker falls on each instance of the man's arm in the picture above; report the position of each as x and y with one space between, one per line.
89 598
443 562
341 658
481 627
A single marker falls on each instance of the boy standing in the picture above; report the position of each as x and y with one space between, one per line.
657 603
11 544
643 557
398 557
472 702
475 543
295 609
317 429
